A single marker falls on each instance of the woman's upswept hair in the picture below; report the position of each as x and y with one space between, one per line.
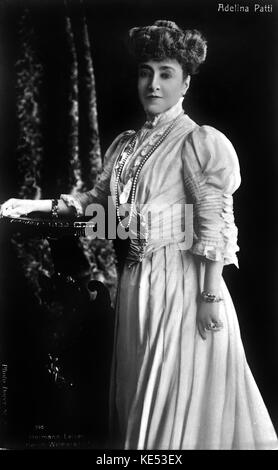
165 40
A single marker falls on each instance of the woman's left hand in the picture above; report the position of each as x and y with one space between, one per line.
208 320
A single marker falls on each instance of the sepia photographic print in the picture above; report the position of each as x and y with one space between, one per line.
138 231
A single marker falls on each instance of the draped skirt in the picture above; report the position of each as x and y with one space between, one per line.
170 389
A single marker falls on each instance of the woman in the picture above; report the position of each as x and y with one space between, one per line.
179 378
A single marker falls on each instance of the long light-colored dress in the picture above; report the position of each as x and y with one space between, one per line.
170 389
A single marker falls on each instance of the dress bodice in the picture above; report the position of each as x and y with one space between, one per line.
146 138
194 166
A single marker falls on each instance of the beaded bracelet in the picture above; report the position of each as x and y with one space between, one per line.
54 208
208 297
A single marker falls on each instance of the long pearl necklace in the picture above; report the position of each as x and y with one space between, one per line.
125 155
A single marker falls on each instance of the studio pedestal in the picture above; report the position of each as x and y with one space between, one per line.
56 329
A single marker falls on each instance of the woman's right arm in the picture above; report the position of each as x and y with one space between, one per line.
72 204
16 207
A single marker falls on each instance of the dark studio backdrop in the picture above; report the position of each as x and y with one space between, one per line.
235 92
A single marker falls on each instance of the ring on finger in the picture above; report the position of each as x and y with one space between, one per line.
212 326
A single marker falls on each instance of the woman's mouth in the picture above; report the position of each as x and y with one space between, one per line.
153 97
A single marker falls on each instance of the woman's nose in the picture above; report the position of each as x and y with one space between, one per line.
154 83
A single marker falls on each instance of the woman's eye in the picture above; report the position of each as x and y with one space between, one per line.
165 75
143 73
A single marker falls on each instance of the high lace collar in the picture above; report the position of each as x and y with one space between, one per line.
167 116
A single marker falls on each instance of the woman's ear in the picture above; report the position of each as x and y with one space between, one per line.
186 84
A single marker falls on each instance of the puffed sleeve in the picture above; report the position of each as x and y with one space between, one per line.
212 175
100 192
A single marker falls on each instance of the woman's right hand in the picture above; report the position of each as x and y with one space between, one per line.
17 207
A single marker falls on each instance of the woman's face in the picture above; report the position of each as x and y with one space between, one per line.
161 85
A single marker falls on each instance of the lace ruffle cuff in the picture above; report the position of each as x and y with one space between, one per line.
72 201
213 253
217 232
